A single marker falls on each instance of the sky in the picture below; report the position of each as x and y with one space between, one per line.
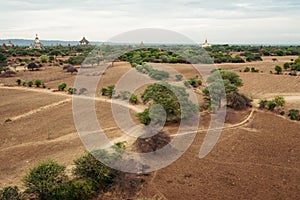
220 21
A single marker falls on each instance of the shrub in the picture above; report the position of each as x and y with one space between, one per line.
37 83
133 99
263 103
125 95
89 168
179 77
194 82
10 193
278 69
30 83
72 90
271 105
81 190
286 65
144 117
247 69
44 58
19 81
82 91
62 86
47 180
108 91
279 101
7 120
294 114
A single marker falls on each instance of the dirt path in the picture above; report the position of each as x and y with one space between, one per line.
40 109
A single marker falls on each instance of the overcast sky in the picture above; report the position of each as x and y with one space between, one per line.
236 21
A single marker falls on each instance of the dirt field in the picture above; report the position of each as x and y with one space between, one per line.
257 160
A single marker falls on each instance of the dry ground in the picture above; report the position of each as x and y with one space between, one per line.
257 160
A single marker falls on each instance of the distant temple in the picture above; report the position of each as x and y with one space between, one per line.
206 44
84 41
142 44
10 44
37 44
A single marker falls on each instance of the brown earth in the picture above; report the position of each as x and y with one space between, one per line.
256 160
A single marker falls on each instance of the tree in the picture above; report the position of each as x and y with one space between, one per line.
82 91
37 82
10 193
19 81
195 82
3 59
46 180
278 69
108 91
30 83
263 103
62 86
89 168
72 90
32 66
133 99
179 77
144 117
294 114
286 65
279 101
174 100
247 69
44 59
271 105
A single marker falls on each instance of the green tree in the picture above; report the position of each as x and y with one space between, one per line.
271 105
179 77
144 117
174 100
263 103
37 82
30 83
279 101
133 99
278 69
89 168
10 193
44 59
286 65
72 90
62 86
294 114
46 180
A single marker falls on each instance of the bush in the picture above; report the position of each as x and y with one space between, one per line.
29 83
108 91
62 86
179 77
89 168
10 193
247 69
294 114
144 117
133 99
278 69
81 190
271 105
263 103
72 90
37 83
286 65
82 91
19 81
194 82
125 95
47 180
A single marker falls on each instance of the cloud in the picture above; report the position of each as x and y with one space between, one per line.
231 21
